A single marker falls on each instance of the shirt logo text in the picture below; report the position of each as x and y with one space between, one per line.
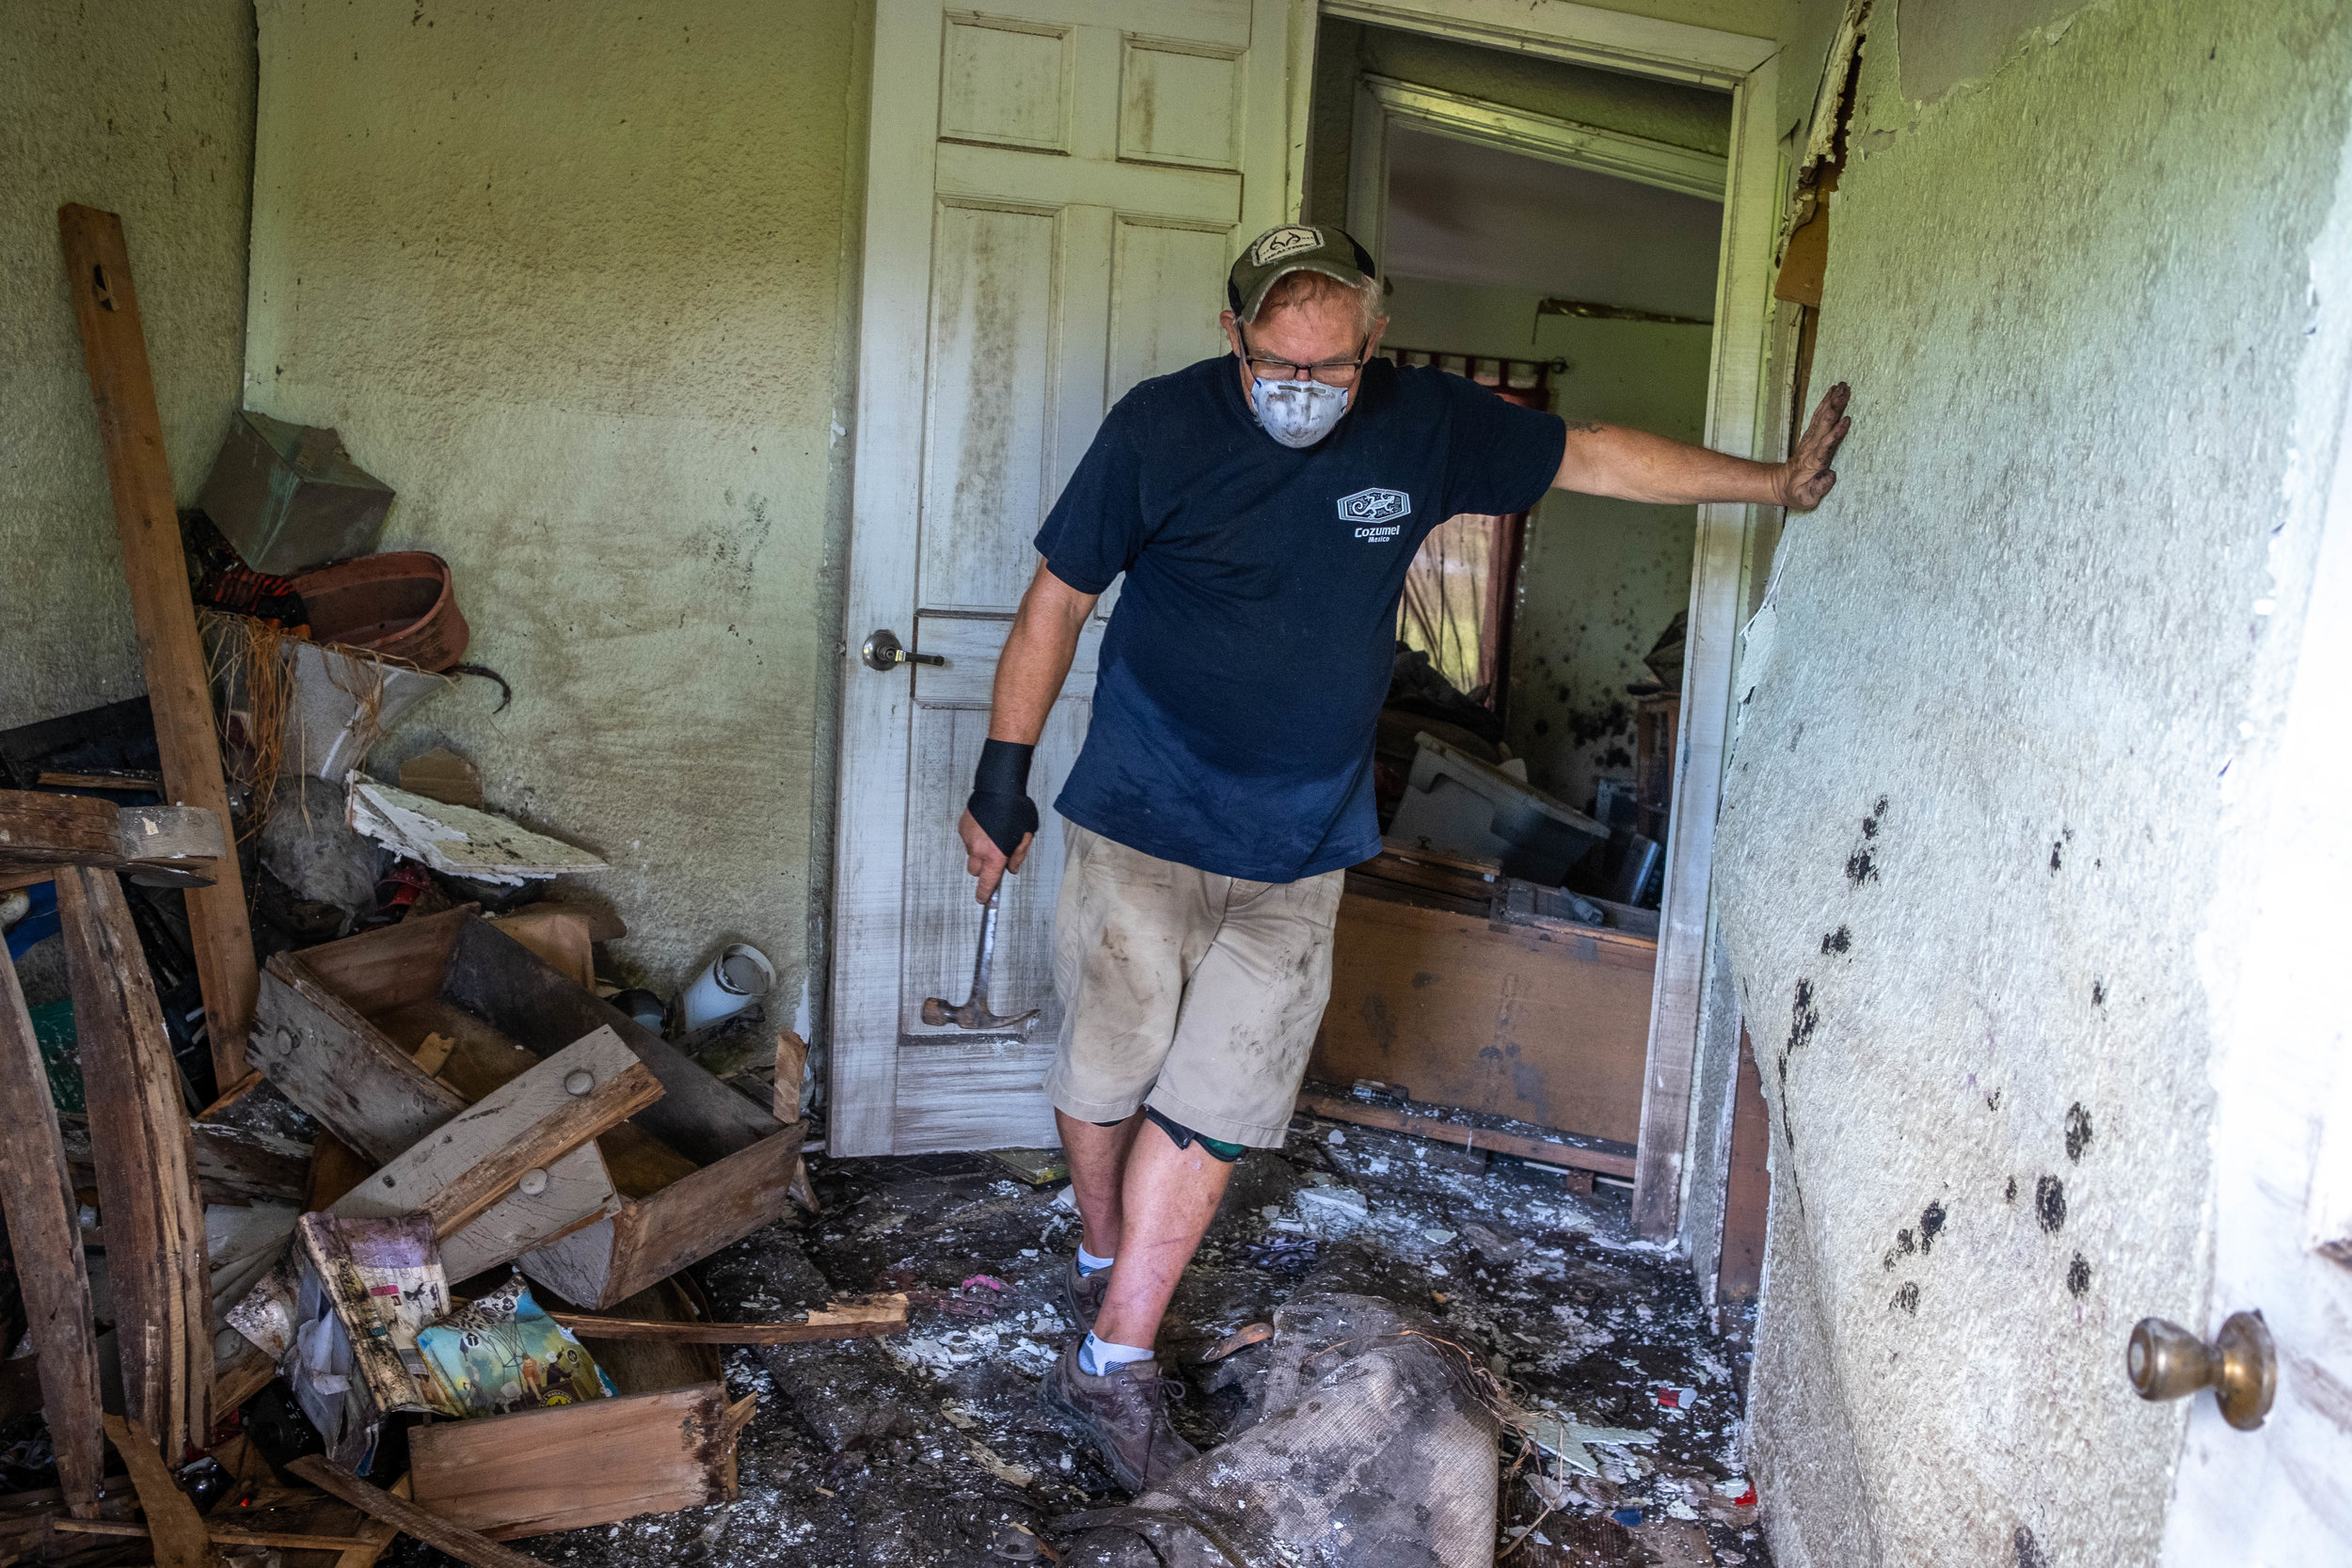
1376 506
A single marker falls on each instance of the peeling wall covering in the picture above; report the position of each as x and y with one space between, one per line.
1975 818
575 281
144 108
1599 580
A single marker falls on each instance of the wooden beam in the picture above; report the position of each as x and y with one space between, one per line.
175 1526
222 1535
114 344
430 1528
1544 1151
180 843
857 1321
525 1126
37 1196
146 1166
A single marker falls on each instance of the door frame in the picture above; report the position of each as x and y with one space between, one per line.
1686 1024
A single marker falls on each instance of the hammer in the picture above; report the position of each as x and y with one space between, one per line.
938 1011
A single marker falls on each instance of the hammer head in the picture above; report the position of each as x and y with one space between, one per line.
938 1012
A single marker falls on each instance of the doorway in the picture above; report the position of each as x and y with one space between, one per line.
1554 232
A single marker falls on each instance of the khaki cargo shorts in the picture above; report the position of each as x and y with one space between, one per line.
1199 993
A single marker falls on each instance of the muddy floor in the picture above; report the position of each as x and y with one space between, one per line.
930 1448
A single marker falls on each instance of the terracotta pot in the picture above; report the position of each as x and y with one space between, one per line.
401 605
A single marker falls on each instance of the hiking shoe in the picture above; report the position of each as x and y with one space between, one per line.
1124 1414
1086 1293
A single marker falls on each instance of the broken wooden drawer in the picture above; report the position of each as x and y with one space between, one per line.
696 1170
666 1443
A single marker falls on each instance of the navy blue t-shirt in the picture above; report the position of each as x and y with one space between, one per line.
1242 674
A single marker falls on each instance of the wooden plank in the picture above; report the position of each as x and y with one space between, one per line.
146 1166
339 1068
494 976
233 1164
37 1194
688 1220
38 832
1542 1023
480 1155
114 344
174 1524
1545 1151
220 1535
559 936
374 1535
579 1193
858 1320
391 965
1747 1187
425 1525
538 1471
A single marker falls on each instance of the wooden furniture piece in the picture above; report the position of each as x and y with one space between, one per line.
667 1442
114 343
1467 1002
698 1168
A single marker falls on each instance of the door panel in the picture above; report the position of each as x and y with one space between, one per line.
1056 190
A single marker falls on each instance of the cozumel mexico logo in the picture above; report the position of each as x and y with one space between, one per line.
1373 511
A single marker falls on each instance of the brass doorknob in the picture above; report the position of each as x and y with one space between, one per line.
2167 1362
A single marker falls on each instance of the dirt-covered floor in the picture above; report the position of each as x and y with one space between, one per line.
930 1448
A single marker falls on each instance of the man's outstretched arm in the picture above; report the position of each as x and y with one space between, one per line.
1029 673
1635 465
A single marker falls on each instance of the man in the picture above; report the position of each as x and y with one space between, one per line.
1264 510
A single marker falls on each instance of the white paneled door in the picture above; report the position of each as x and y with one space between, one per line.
1055 191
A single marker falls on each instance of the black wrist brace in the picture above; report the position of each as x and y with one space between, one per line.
1000 801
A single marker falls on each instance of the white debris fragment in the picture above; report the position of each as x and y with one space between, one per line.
459 841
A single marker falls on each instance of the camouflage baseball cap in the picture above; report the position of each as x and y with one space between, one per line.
1293 248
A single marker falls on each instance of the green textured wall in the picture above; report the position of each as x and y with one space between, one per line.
144 108
1979 810
576 280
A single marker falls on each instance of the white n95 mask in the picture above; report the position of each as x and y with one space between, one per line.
1297 412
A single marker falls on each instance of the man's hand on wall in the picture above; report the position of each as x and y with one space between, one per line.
1807 477
984 859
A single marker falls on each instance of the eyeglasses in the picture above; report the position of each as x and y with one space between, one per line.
1330 373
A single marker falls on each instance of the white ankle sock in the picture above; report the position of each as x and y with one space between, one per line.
1097 1356
1089 1263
